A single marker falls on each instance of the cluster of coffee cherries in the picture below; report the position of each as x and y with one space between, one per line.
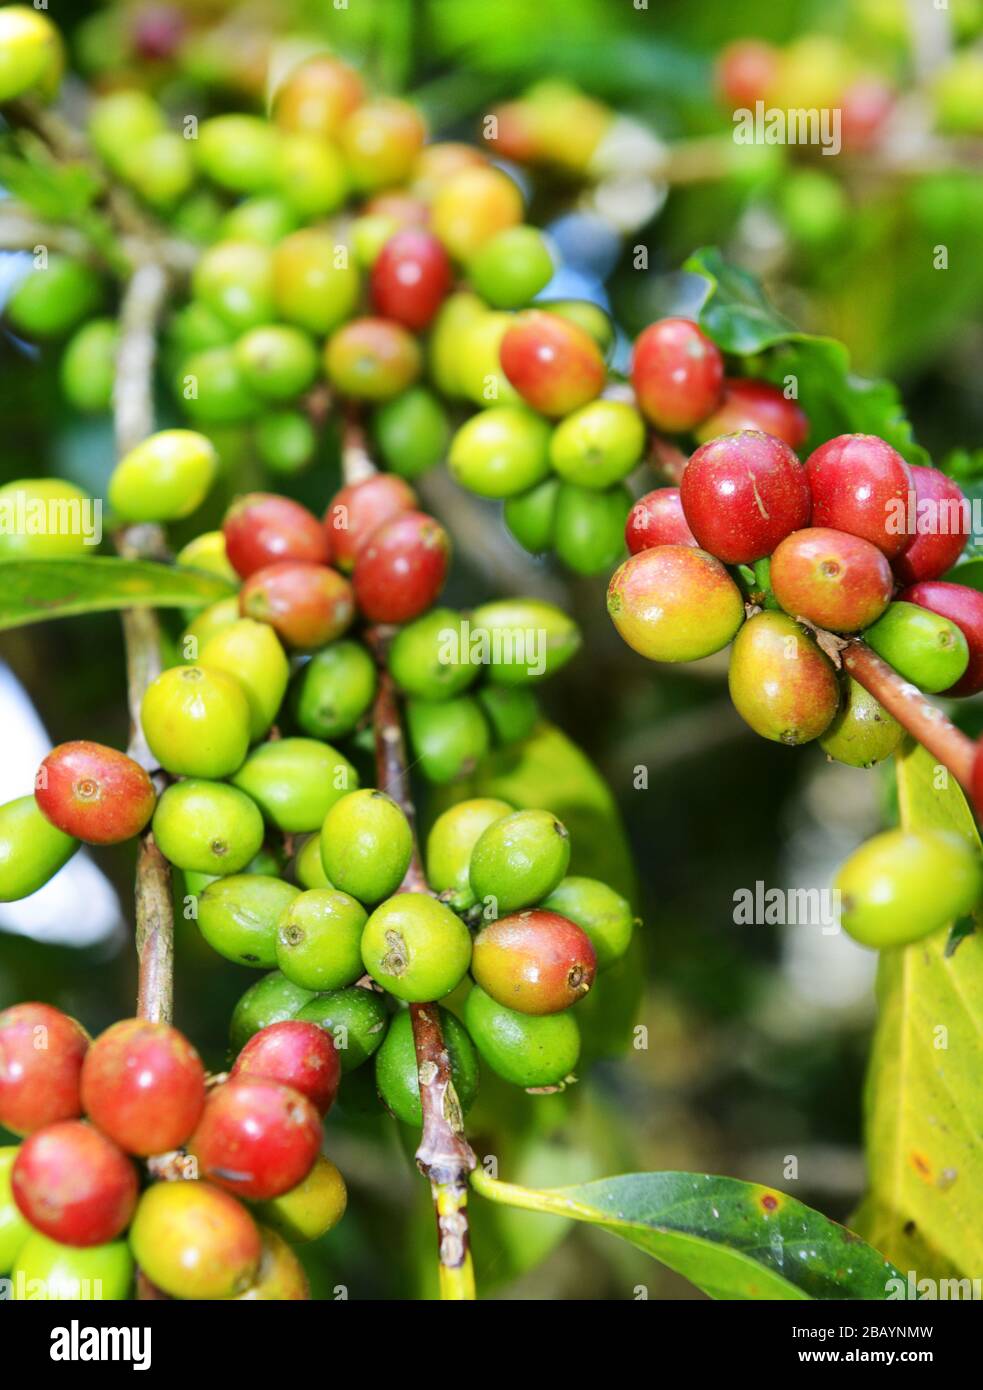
132 1158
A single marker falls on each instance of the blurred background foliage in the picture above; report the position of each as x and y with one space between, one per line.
752 1055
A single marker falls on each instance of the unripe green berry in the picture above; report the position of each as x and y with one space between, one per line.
196 721
512 711
479 374
286 440
334 690
14 1229
52 299
207 552
511 268
450 843
29 50
862 732
589 527
416 948
56 1272
296 781
397 1076
32 850
239 152
251 652
235 279
277 360
318 939
312 175
88 368
238 917
531 516
316 282
519 860
160 168
120 120
426 659
308 867
212 389
412 432
523 639
207 827
164 478
530 1050
273 999
603 914
457 313
925 648
25 500
355 1018
448 737
265 219
501 452
599 444
210 621
904 884
366 845
310 1209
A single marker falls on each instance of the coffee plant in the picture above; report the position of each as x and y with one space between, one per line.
309 294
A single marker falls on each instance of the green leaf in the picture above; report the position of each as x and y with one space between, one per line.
970 573
732 1239
63 192
31 591
924 1102
734 310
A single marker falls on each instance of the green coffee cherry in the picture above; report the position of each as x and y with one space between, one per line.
207 827
448 737
51 1271
273 999
196 328
310 1209
211 620
212 389
88 368
120 120
53 299
313 177
366 845
531 1050
296 781
32 850
207 552
480 376
160 169
598 445
286 440
334 690
412 432
531 516
501 452
396 1074
196 720
235 280
589 527
904 884
925 648
356 1019
511 268
452 838
511 711
164 478
457 313
523 639
238 917
45 519
315 280
318 939
264 861
308 868
519 860
240 153
862 732
416 948
427 657
30 49
266 220
277 361
14 1229
251 652
605 915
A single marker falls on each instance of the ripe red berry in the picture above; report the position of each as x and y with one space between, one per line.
742 494
296 1054
359 508
746 70
860 484
308 605
143 1085
831 579
94 793
74 1185
554 364
41 1052
941 527
657 519
536 962
410 278
256 1138
677 373
964 607
262 528
756 405
401 568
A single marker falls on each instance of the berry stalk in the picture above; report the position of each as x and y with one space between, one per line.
444 1154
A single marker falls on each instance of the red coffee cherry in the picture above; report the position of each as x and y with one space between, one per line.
742 494
657 519
94 793
677 373
410 278
554 364
536 962
746 71
262 528
831 579
308 605
860 484
41 1052
941 527
74 1185
359 508
964 607
143 1085
401 568
256 1138
756 405
866 105
296 1054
